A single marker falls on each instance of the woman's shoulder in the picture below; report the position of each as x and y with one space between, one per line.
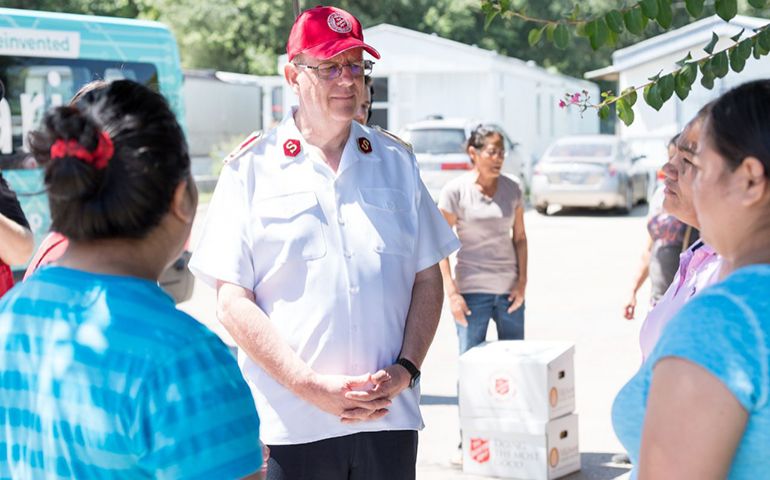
733 315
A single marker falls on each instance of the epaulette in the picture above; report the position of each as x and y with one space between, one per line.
244 147
395 138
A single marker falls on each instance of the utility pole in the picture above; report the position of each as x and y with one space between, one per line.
296 8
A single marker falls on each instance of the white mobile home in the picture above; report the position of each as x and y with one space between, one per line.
421 75
632 66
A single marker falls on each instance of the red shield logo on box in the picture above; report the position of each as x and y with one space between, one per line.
502 386
479 450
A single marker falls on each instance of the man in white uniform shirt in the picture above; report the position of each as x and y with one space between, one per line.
324 245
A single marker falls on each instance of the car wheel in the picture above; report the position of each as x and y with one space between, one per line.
541 209
629 205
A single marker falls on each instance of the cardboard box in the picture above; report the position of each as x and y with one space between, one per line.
521 450
518 379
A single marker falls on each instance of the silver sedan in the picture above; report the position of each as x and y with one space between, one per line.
594 171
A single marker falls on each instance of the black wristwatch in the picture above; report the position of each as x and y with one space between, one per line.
412 369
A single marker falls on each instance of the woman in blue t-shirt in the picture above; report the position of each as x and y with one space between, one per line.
700 406
100 375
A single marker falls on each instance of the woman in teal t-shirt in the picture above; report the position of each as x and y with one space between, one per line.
699 408
100 375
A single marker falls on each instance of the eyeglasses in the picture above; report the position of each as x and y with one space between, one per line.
332 70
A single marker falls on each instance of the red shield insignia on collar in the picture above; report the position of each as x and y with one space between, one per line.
291 148
364 145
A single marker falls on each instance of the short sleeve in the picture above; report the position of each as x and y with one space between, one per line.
448 199
195 418
518 195
9 204
435 239
718 332
223 251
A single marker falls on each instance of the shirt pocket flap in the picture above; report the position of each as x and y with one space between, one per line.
286 206
385 199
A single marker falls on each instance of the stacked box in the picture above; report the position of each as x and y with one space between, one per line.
517 400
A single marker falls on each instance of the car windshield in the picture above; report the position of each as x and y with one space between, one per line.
437 140
590 152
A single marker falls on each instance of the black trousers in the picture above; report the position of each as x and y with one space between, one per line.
361 456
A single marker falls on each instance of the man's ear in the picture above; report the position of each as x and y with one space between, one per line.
753 181
185 201
290 73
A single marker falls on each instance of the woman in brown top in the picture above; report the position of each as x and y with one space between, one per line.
486 208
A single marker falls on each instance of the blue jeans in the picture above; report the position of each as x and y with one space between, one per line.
483 306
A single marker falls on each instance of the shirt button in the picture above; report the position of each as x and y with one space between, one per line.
348 254
353 289
378 248
390 205
340 220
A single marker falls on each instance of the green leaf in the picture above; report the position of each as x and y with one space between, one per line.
649 8
759 49
666 86
665 16
604 112
575 12
744 48
600 35
737 62
683 61
694 7
490 17
614 21
625 112
713 43
549 31
580 29
655 78
688 74
505 5
719 64
534 36
764 38
633 20
629 96
707 75
737 37
561 36
682 86
652 96
590 29
726 9
757 3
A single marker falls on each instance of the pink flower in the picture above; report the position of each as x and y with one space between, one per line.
562 104
575 98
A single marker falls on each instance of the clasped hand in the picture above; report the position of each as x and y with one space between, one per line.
360 398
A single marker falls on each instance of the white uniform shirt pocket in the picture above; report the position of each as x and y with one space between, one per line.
392 218
289 228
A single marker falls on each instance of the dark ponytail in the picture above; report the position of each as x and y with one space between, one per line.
132 193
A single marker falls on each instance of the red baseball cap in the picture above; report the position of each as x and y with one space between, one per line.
323 32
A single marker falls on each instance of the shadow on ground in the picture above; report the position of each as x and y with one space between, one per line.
638 211
438 400
598 466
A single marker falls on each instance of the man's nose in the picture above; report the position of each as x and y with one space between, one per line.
347 76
